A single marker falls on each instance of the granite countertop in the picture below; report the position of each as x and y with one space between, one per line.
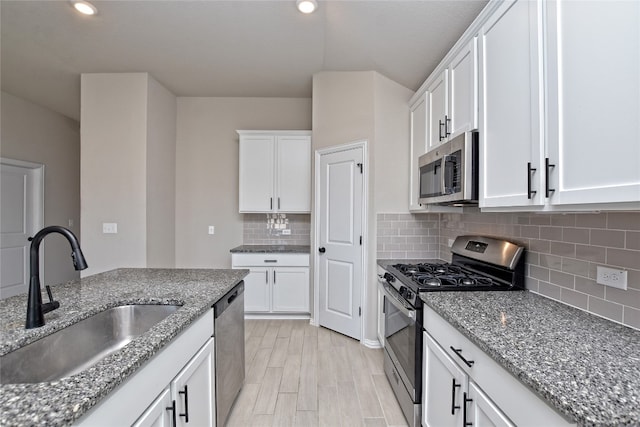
61 402
273 249
586 367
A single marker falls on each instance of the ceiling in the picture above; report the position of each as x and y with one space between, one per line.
236 48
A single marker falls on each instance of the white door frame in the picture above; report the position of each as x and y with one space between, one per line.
38 197
316 226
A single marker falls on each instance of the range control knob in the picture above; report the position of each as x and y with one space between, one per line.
409 295
389 278
402 290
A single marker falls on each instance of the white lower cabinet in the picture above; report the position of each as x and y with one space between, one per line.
193 390
178 382
482 411
463 386
189 397
277 283
444 386
159 414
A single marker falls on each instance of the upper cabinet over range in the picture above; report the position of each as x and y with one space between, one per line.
557 105
444 106
275 171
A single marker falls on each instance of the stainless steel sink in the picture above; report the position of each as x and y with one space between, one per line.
81 345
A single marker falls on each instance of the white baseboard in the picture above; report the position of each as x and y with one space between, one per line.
267 316
372 343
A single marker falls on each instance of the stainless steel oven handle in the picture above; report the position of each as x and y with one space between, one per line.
396 300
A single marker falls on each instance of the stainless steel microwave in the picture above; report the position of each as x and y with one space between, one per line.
449 173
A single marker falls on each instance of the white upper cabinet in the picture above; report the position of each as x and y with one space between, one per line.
560 120
510 111
463 90
593 90
275 171
418 148
436 96
293 174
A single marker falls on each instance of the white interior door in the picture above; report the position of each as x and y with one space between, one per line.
21 216
340 259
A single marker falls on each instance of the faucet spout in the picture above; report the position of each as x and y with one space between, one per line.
35 308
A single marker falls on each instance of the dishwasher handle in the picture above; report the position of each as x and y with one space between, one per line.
228 299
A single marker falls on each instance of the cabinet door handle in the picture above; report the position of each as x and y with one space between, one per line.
465 400
271 203
278 203
547 166
440 124
266 276
454 386
186 404
274 277
447 120
172 408
458 352
530 171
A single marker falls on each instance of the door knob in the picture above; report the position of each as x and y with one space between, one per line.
322 250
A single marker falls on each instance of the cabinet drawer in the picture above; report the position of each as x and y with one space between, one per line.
270 260
518 402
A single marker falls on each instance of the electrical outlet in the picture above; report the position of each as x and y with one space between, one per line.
286 232
212 229
612 277
109 228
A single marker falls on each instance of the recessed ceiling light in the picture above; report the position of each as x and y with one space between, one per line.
306 6
84 7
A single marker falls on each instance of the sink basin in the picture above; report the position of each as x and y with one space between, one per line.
81 345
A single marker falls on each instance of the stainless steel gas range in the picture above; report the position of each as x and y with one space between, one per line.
478 264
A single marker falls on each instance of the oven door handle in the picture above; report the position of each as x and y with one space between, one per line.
396 300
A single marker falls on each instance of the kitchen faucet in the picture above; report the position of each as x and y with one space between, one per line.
35 308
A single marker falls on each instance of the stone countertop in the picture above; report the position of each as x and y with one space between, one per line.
272 249
586 367
61 402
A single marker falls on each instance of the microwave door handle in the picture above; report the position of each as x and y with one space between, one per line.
443 172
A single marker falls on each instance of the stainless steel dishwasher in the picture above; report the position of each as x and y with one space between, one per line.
229 350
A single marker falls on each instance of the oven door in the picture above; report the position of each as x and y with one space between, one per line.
401 341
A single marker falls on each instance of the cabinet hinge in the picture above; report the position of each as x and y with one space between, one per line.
360 240
360 166
360 311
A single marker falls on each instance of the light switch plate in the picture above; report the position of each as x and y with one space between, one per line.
286 232
212 229
109 228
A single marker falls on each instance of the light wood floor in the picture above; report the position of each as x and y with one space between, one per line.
302 375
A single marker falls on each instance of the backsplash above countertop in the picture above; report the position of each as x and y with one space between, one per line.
563 251
255 231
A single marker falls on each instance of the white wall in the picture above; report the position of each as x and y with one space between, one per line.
33 133
350 106
392 130
126 141
207 170
161 176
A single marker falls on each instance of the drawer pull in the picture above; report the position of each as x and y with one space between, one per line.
454 386
271 260
466 400
458 352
